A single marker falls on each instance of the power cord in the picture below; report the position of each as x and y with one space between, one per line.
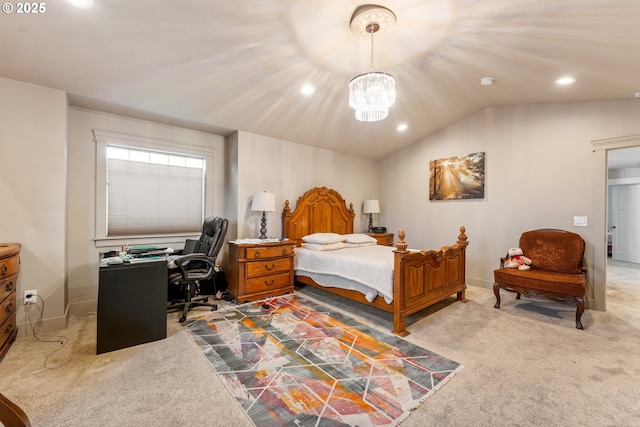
35 329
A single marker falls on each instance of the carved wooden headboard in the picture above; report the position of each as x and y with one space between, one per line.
319 210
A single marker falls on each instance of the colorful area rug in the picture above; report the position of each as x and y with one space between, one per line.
291 361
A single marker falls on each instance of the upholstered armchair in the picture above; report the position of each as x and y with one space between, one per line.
558 269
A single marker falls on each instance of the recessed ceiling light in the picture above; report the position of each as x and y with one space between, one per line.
487 81
402 127
307 89
566 80
82 4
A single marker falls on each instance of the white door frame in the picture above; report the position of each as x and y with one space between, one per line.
597 291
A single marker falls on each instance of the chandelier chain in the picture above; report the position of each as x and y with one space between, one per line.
371 66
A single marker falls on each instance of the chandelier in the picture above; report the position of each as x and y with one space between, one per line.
372 93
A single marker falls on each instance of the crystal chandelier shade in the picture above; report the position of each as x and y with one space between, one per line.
371 94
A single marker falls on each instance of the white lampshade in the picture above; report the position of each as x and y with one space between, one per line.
264 202
371 206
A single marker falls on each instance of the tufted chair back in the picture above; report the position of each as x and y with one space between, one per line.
553 250
214 231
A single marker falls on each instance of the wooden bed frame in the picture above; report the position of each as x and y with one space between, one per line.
420 279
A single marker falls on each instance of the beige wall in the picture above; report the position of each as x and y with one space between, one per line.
288 170
539 173
33 128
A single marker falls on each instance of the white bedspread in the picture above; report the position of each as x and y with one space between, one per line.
369 267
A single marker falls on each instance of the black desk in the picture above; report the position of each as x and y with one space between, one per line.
132 304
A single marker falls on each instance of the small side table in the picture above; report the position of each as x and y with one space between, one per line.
260 270
384 239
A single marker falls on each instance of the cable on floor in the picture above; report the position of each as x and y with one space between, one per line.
35 329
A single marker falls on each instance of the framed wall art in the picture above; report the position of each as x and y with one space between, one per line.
457 178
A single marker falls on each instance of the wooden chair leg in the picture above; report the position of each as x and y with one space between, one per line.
579 311
496 291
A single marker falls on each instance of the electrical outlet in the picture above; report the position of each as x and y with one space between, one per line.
30 296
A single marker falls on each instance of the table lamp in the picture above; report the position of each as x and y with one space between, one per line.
265 202
370 207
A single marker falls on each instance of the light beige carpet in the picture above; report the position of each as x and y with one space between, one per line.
525 364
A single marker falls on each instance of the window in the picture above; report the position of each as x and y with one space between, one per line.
149 188
152 192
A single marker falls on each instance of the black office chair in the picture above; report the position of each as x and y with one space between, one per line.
191 268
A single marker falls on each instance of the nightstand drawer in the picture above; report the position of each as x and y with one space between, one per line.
7 329
9 266
269 252
266 283
268 266
7 308
7 285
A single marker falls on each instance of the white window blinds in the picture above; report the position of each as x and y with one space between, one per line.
150 192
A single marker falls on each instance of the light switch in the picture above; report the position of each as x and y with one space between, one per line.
580 221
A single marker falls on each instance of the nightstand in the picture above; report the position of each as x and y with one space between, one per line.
384 239
260 270
9 270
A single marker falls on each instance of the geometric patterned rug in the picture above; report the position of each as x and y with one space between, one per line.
291 361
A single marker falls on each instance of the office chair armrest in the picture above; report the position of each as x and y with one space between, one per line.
182 259
183 262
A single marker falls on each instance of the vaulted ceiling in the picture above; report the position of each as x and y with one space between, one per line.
220 65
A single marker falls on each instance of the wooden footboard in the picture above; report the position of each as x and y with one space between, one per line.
421 279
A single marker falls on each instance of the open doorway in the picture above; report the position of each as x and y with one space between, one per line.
623 208
623 205
603 149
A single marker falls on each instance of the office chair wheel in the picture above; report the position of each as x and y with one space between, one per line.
182 319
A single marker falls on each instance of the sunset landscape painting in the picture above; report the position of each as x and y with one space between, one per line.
456 178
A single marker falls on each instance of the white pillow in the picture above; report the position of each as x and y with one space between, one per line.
324 246
324 238
357 245
359 238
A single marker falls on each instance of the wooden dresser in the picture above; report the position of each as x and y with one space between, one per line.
384 239
9 268
260 270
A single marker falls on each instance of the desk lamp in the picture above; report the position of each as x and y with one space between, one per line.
370 207
265 202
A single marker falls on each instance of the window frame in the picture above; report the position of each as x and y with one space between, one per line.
104 138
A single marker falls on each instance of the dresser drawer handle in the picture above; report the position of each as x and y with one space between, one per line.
266 267
256 254
269 284
4 269
9 285
10 329
10 308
